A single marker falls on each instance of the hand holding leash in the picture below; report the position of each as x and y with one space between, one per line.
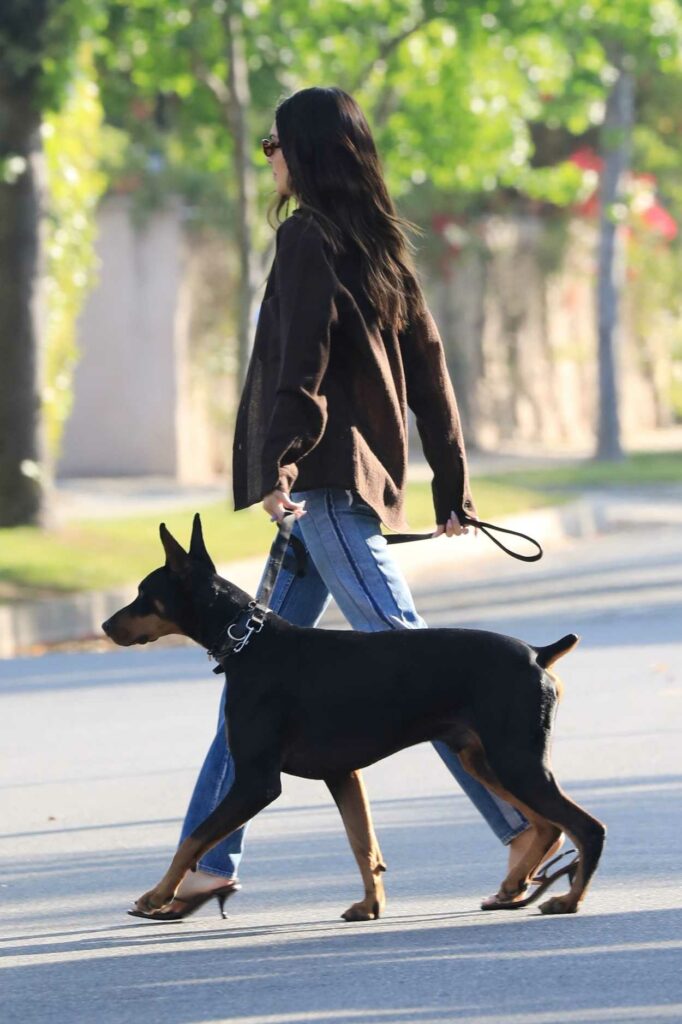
452 528
277 503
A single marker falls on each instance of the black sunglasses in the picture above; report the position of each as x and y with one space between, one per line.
269 145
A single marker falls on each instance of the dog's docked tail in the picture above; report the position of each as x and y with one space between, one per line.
546 656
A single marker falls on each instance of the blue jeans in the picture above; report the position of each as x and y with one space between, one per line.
348 559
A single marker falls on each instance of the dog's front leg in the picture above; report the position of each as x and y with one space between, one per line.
351 798
241 804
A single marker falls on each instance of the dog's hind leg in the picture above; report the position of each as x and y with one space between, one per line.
523 780
532 788
545 834
351 798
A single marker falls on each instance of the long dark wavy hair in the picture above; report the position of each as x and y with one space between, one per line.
335 175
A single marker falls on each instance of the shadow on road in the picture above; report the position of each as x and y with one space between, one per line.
443 964
536 969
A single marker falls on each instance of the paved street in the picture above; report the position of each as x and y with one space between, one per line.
99 755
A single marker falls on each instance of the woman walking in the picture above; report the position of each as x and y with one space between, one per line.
344 345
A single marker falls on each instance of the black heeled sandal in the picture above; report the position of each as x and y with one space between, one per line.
191 903
541 881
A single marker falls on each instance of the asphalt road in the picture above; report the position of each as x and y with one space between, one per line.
99 754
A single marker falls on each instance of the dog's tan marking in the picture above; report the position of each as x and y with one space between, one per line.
351 798
128 629
558 685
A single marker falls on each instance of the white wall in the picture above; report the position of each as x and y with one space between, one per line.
127 383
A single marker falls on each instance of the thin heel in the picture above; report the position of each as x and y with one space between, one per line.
221 897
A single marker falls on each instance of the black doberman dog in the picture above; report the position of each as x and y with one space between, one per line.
322 704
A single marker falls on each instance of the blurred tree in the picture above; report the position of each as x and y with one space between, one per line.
567 64
612 50
448 97
451 88
75 143
38 40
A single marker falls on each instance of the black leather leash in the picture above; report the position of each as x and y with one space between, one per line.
404 538
236 634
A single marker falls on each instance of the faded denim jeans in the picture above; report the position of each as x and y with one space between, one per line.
349 560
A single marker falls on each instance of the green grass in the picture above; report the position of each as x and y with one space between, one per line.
104 553
98 554
639 470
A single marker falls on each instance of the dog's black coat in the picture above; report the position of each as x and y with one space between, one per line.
330 701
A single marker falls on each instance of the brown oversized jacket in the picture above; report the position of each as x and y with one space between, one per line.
326 395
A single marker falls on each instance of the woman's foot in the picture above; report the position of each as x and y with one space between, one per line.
518 848
200 881
181 907
196 883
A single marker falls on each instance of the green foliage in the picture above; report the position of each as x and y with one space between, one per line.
39 41
74 143
658 134
450 89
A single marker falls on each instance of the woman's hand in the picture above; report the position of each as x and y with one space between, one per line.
276 503
453 528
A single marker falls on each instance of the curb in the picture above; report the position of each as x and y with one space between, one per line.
79 616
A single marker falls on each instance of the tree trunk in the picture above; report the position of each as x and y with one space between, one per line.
616 137
238 108
21 488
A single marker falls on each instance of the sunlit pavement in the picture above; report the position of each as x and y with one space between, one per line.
99 755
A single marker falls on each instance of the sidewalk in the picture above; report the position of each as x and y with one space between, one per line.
106 498
99 498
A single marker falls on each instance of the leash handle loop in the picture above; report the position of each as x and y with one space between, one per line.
486 528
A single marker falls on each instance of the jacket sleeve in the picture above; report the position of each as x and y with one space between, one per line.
306 287
431 398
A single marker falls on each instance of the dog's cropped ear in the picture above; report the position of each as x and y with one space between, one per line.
177 559
197 547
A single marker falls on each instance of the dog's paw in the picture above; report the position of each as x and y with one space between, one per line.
559 905
367 910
